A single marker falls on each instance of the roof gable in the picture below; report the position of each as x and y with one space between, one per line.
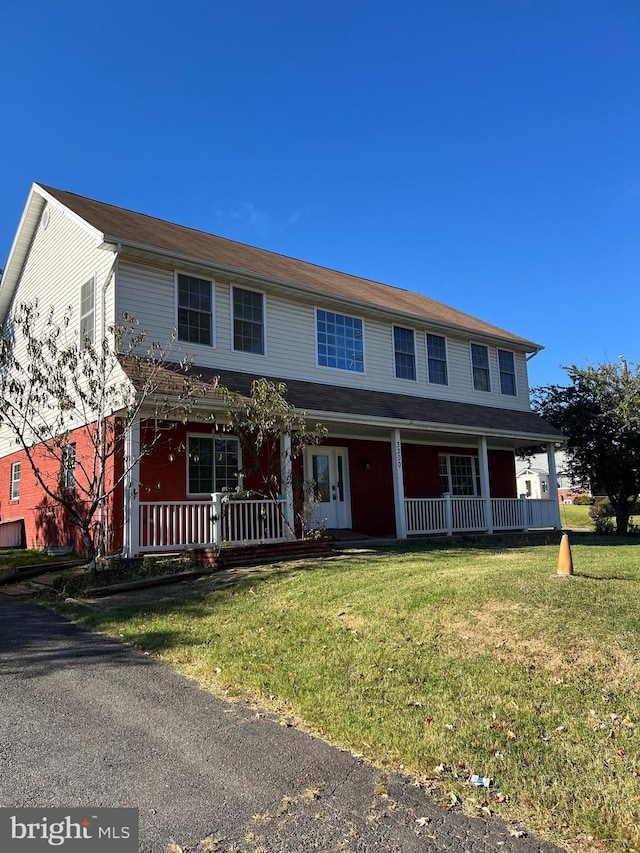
127 227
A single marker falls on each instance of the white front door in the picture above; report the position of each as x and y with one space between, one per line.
328 468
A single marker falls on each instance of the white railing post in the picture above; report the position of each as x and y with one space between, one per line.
448 514
524 514
216 518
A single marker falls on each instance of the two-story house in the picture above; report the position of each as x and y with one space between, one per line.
424 405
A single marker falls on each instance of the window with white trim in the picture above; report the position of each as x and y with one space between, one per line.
404 351
68 473
248 320
213 464
459 475
340 341
195 309
480 367
437 360
507 368
16 468
88 313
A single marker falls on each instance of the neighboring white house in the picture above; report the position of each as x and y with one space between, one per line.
424 404
534 481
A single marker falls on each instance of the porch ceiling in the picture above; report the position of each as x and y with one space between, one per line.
372 414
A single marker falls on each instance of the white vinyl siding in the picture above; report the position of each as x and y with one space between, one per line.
290 336
61 258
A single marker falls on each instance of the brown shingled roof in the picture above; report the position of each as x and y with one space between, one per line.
126 226
316 397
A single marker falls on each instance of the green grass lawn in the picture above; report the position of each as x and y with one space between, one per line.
575 516
12 559
443 661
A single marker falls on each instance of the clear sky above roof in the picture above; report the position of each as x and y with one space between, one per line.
485 153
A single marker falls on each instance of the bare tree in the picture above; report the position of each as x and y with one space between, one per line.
56 386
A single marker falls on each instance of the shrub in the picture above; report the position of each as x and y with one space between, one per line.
584 500
602 514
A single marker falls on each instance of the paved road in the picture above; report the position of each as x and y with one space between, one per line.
87 721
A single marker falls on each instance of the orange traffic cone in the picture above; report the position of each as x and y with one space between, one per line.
565 563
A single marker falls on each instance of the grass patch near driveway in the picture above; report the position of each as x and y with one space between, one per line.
442 662
12 559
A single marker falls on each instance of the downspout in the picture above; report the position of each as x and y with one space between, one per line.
103 333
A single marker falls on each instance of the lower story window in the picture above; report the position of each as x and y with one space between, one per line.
68 472
15 480
459 475
213 464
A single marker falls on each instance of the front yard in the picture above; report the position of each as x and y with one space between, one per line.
442 662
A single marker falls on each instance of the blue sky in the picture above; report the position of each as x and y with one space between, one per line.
483 152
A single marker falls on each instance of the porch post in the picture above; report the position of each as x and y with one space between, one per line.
216 526
131 532
484 481
286 484
398 484
553 483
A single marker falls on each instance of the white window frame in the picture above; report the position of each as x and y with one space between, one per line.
475 465
212 314
233 320
446 358
329 366
508 373
213 438
82 332
473 344
395 352
69 462
16 469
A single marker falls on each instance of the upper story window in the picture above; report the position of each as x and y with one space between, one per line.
16 468
437 360
507 368
248 320
68 472
88 313
195 309
404 349
480 367
340 341
459 475
213 464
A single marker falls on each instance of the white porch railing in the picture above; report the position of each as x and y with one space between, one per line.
467 515
167 526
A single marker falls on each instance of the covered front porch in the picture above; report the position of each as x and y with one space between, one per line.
379 485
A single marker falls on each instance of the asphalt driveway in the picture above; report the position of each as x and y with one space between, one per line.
87 721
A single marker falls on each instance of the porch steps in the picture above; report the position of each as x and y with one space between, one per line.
236 556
